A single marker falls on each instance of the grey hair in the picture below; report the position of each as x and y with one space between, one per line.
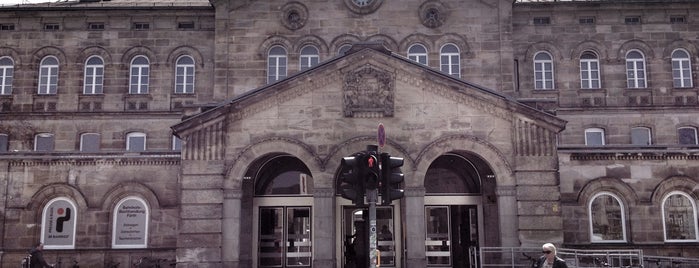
549 246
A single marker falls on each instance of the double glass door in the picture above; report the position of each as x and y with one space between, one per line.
355 246
284 237
450 231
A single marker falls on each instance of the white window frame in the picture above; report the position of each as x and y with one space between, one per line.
636 74
136 135
595 130
45 135
184 75
139 75
543 71
94 76
694 217
115 223
416 55
450 60
276 64
176 143
589 71
82 140
694 130
647 130
309 57
6 75
623 218
48 76
681 69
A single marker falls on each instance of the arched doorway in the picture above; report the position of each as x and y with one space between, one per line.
455 209
280 187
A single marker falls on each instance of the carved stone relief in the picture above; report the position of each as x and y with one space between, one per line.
294 15
369 92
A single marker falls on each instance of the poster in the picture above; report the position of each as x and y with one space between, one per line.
58 224
130 224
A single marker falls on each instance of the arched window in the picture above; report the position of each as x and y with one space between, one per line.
343 49
140 71
7 67
641 136
543 70
94 75
635 69
589 70
48 76
90 142
44 142
418 53
309 57
184 75
681 69
594 137
679 217
58 221
450 60
130 223
276 64
607 218
136 142
687 135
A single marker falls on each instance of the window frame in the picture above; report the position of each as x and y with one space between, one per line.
6 76
48 71
44 135
115 218
542 64
5 143
93 83
182 84
586 67
82 142
308 60
679 137
595 130
623 217
176 144
136 134
74 218
453 59
419 57
681 69
638 66
694 214
140 72
277 64
648 131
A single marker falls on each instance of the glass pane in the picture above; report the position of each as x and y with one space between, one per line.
594 138
679 218
640 136
606 217
44 143
385 239
298 240
4 140
185 60
687 136
270 239
136 143
90 142
437 242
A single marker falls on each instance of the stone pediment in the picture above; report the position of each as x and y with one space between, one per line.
368 91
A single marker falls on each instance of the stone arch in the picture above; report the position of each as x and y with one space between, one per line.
680 44
93 51
543 46
239 166
13 54
39 54
358 144
185 50
345 39
386 40
455 39
490 154
128 55
613 185
589 45
272 41
638 45
413 39
55 190
311 40
126 189
675 183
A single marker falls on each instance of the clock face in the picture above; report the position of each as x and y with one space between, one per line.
362 3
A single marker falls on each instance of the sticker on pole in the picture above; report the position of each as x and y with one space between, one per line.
381 136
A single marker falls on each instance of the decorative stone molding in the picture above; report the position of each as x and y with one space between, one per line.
205 143
294 15
433 14
533 140
232 194
363 6
637 155
506 191
414 191
369 92
160 160
323 192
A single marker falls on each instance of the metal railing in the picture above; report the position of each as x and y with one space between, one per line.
575 258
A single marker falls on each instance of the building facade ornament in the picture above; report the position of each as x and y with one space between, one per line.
369 92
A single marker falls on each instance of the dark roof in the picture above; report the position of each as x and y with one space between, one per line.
61 4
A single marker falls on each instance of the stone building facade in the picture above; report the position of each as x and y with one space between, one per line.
210 133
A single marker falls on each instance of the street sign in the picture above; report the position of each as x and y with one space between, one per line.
381 136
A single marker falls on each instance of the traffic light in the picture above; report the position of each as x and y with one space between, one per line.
391 178
351 179
373 173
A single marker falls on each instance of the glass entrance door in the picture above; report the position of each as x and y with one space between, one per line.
450 231
284 238
355 246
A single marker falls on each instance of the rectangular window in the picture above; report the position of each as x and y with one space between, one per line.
542 20
437 238
589 74
687 135
51 27
136 142
594 137
587 20
176 144
632 20
678 20
140 26
48 79
90 142
185 25
43 142
640 136
4 142
95 26
7 27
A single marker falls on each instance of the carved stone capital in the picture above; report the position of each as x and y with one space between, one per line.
415 192
506 191
323 192
232 194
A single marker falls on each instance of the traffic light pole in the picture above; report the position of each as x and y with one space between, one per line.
372 196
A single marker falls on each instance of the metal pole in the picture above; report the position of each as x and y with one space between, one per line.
372 196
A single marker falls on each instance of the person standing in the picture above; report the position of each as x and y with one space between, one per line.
37 257
549 259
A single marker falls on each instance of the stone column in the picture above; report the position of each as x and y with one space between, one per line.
230 248
507 209
415 227
324 228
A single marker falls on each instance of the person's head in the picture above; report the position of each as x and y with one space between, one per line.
549 250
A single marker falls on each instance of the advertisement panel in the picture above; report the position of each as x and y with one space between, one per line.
58 224
130 224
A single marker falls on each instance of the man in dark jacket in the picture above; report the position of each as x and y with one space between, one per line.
37 257
549 259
